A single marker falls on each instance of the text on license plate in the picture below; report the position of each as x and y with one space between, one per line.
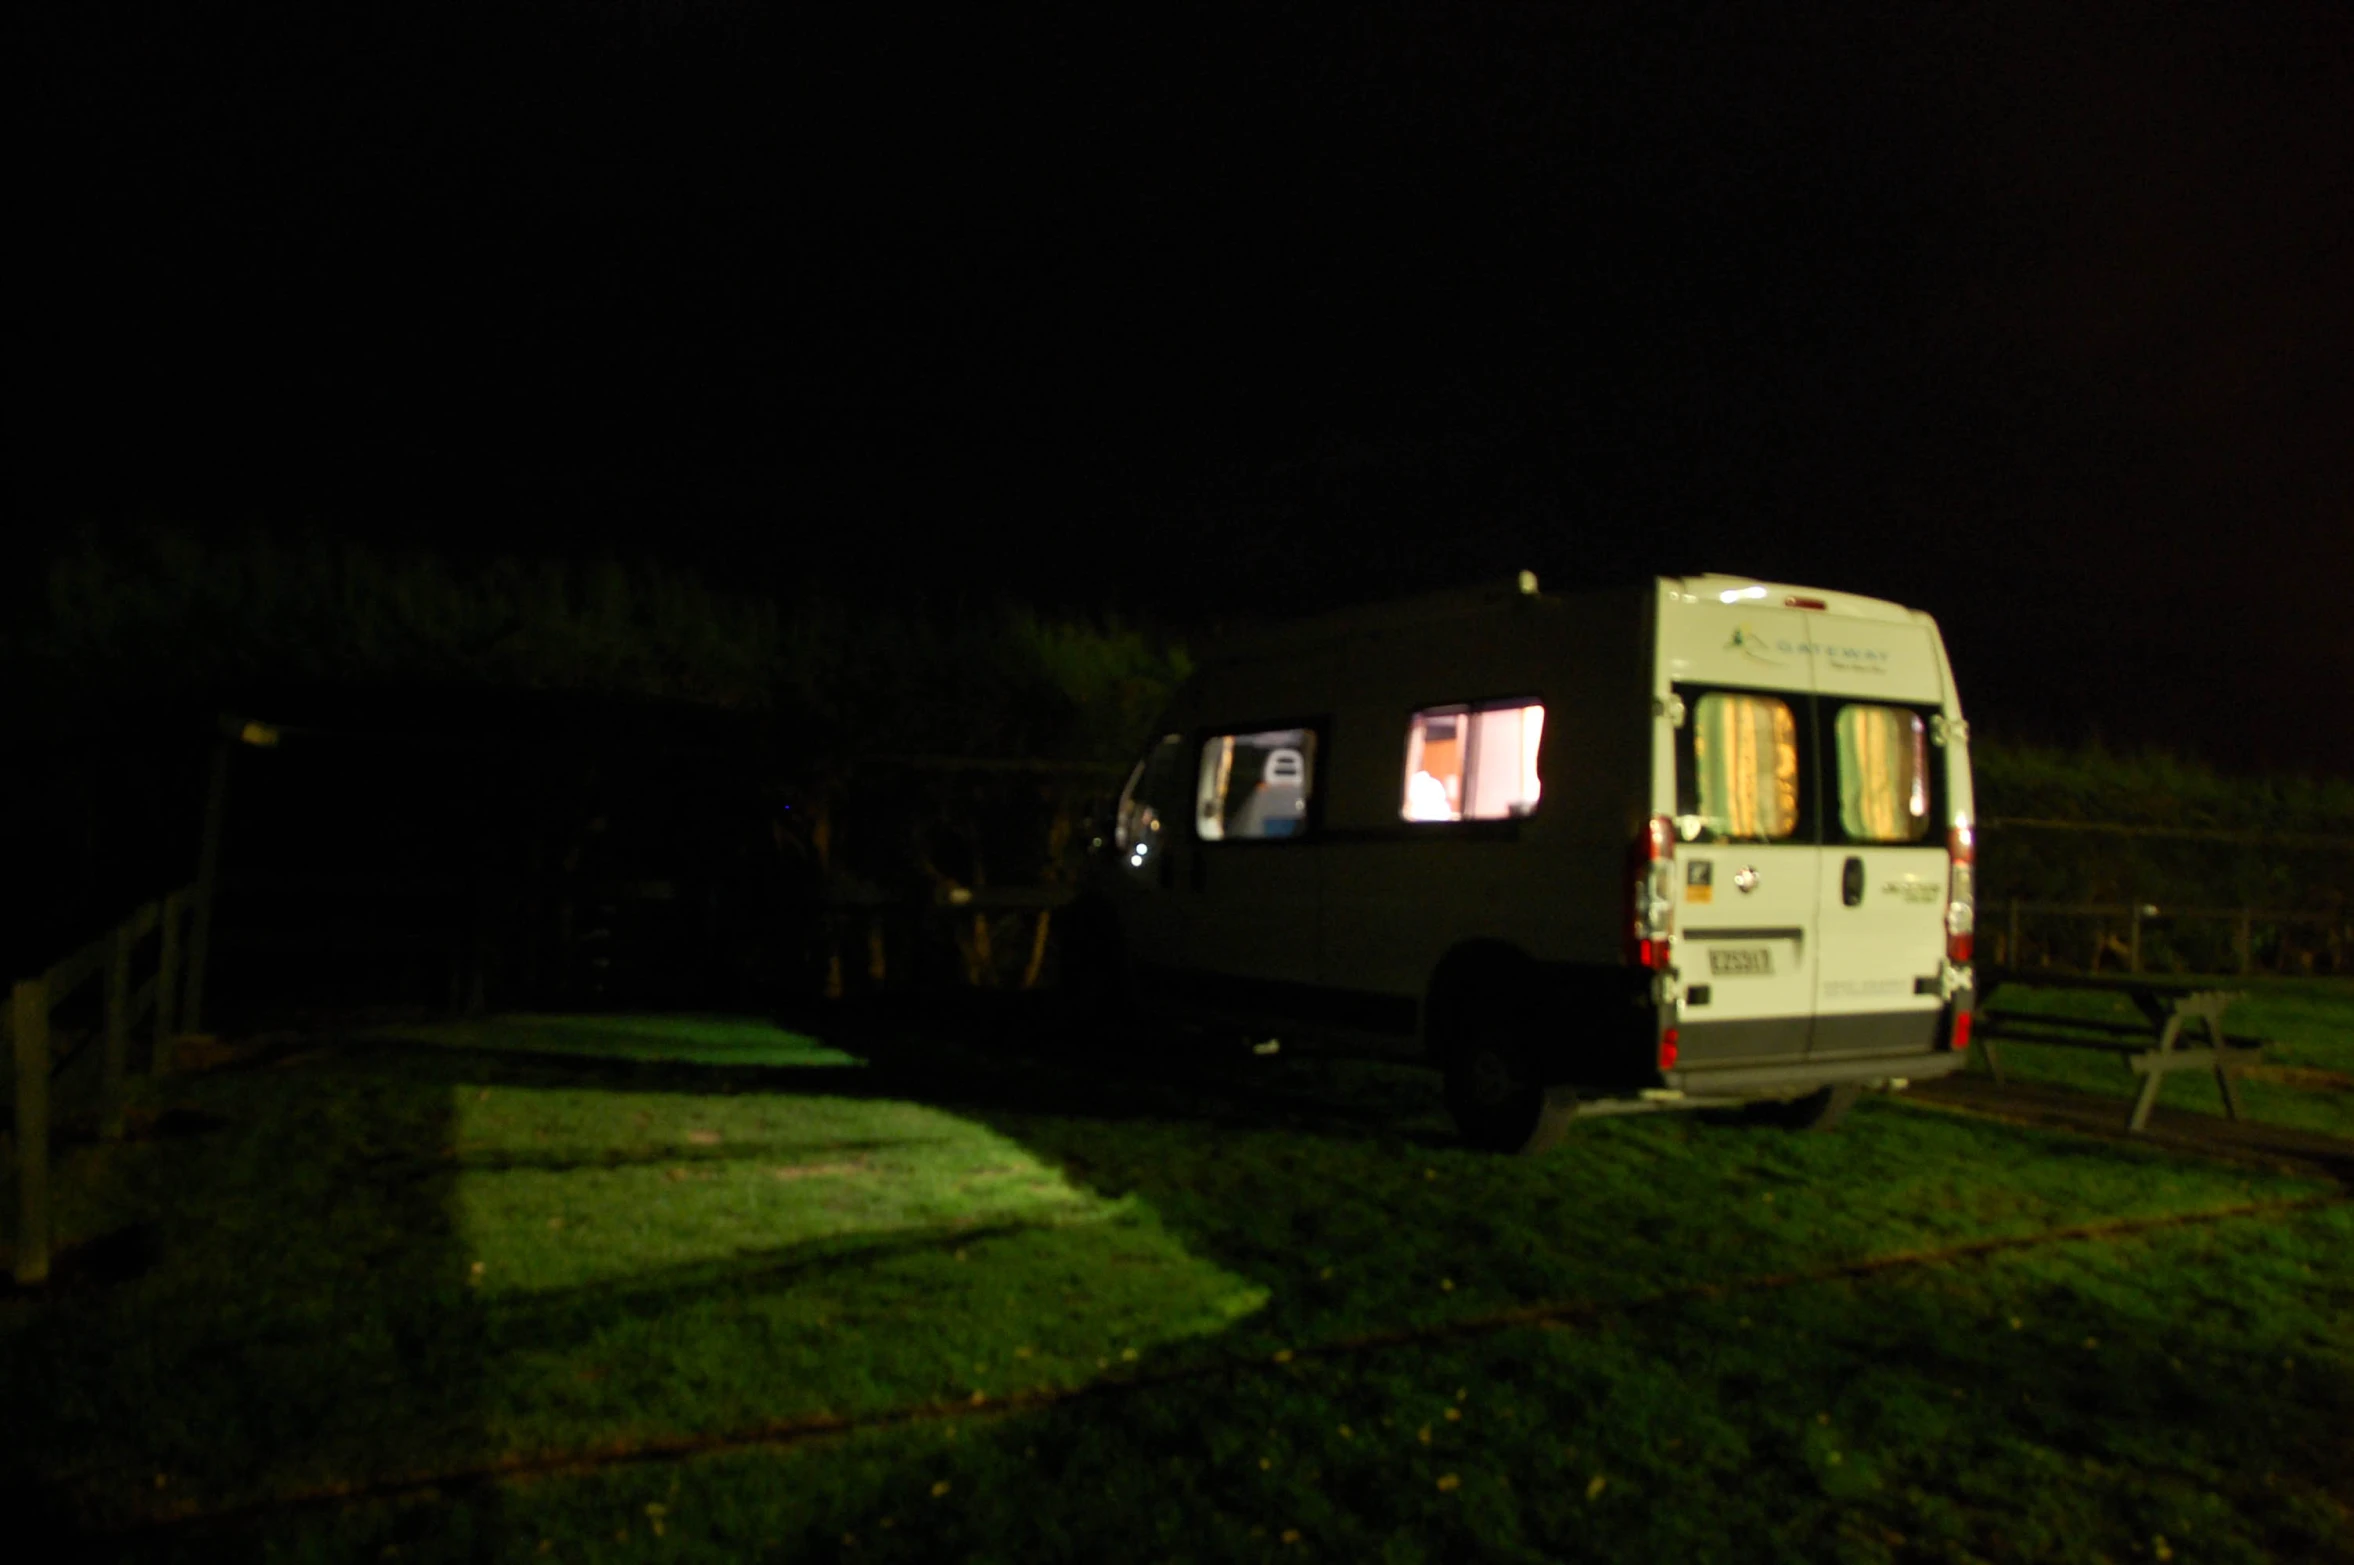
1741 961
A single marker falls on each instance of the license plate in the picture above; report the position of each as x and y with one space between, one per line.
1741 961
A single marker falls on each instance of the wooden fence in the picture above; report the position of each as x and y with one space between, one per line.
32 1004
2123 930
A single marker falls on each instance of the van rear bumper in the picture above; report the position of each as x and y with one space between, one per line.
1804 1075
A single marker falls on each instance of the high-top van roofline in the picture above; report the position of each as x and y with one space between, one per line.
1317 629
1785 595
1497 596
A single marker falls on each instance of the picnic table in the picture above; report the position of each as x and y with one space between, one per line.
2152 1049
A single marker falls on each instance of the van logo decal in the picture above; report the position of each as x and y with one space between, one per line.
1752 643
1759 647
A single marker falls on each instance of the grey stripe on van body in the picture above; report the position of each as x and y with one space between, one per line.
1749 1041
1798 1039
1877 1032
1792 1076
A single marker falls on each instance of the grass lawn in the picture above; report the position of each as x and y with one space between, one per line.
509 1272
2307 1025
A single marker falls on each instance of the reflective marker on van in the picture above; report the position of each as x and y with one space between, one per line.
1961 904
1651 887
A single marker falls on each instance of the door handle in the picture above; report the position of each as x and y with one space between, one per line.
1851 881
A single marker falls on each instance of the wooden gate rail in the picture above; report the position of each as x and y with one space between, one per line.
2136 915
31 1004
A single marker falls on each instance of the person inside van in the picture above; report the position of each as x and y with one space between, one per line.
1426 799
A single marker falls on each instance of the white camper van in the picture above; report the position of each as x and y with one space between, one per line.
1703 841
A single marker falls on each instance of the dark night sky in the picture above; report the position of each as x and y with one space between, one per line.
2036 316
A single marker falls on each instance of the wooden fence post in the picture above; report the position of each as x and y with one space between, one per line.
2133 942
2011 955
208 878
2246 936
29 1015
167 982
113 1064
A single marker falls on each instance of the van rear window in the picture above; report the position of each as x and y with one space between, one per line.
1466 763
1255 785
1884 779
1744 768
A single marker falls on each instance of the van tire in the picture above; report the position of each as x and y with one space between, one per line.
1821 1109
1479 1026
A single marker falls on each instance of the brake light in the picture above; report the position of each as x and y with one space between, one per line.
1804 603
1961 901
1667 1050
1961 1032
1651 885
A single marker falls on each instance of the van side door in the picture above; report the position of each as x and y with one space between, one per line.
1247 884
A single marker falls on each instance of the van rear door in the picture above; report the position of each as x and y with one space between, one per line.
1884 864
1746 807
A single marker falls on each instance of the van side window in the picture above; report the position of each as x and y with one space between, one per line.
1473 763
1153 786
1255 785
1742 781
1884 778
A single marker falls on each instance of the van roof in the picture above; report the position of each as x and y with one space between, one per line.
1385 614
1491 596
1736 589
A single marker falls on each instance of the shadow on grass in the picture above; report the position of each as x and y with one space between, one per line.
1900 1418
299 1318
313 1319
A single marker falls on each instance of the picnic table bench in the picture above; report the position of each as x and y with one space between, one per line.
2152 1049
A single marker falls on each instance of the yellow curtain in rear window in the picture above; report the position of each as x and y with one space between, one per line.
1745 756
1883 774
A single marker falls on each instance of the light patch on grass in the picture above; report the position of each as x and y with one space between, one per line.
565 1188
669 1040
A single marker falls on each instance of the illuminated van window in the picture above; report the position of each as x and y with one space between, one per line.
1255 785
1467 763
1883 774
1745 766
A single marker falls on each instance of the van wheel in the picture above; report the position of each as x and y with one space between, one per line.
1818 1110
1493 1092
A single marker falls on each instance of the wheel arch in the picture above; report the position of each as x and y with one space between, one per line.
1483 959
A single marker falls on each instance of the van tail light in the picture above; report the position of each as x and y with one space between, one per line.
1961 901
1961 1031
1651 887
1667 1050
